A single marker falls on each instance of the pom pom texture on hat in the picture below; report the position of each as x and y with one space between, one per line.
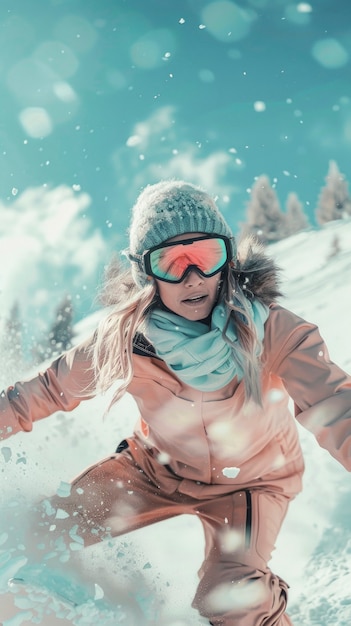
168 209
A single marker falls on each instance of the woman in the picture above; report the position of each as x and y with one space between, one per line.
211 359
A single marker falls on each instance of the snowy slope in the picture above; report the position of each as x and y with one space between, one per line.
313 551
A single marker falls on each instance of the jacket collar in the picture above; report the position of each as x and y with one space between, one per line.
142 346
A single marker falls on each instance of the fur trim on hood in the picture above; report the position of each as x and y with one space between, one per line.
256 272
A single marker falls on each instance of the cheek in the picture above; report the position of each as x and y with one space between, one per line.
166 292
215 286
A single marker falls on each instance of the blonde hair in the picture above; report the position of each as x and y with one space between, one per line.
113 346
112 351
248 345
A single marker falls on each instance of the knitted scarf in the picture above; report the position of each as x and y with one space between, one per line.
199 355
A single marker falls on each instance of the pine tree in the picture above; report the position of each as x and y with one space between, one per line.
60 333
265 220
334 201
11 354
296 219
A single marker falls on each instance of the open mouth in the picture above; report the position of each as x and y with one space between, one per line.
195 299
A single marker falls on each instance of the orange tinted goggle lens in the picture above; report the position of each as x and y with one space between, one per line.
171 262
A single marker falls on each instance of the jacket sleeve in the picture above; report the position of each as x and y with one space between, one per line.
319 388
67 382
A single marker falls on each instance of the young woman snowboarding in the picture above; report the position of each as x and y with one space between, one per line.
195 335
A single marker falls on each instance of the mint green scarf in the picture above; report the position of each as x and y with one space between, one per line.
199 356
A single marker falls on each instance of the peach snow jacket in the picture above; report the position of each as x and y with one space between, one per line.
209 443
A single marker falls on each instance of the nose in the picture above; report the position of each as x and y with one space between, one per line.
193 278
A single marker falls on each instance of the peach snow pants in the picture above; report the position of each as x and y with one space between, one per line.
236 586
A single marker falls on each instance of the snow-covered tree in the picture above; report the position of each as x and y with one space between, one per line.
265 220
296 219
60 334
11 353
334 201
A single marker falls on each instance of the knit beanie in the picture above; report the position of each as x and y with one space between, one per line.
171 208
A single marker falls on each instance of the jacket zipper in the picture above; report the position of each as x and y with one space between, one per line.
248 528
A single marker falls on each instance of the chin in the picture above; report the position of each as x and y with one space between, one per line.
197 316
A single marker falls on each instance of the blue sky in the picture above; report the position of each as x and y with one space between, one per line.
100 98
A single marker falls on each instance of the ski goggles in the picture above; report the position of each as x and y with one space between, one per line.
172 261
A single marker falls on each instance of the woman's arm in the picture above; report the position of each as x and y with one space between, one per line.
320 389
67 382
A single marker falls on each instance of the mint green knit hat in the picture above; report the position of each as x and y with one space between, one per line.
171 208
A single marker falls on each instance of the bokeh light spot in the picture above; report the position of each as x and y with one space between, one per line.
64 92
240 595
206 76
76 32
298 14
116 79
149 50
259 106
58 56
36 122
304 7
133 140
227 21
17 36
31 81
330 53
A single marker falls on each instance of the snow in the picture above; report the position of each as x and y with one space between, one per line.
313 550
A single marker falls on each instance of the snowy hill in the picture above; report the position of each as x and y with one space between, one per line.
313 551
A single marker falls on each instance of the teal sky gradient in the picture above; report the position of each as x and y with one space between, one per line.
106 96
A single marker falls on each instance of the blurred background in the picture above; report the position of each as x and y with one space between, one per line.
101 97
